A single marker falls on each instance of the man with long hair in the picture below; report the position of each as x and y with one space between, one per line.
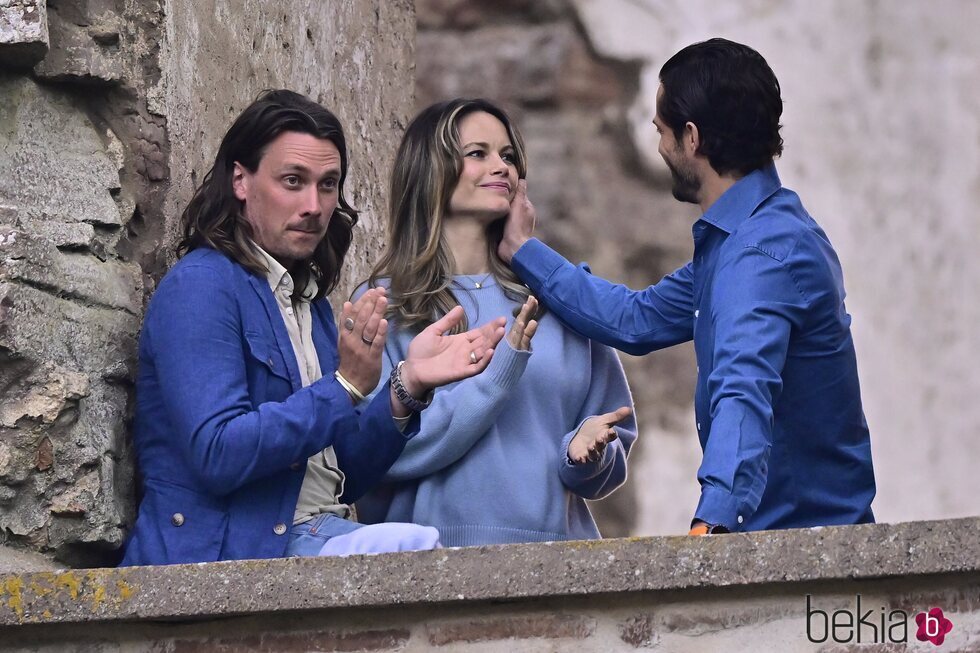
250 431
777 404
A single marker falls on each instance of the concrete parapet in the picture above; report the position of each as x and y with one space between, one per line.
605 595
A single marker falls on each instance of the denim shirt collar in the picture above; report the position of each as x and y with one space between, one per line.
741 200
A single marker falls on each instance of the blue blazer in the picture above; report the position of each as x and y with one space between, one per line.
223 425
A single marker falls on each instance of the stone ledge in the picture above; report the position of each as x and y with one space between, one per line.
492 573
23 33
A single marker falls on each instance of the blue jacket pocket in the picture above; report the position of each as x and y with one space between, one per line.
265 359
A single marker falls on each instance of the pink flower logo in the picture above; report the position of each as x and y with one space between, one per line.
933 626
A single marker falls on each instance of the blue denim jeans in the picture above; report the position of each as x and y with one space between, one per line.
330 535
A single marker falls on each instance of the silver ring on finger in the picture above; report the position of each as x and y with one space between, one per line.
349 323
473 358
366 341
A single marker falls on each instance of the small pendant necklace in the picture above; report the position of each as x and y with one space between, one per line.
479 284
476 284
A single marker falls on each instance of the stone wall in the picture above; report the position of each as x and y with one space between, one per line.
882 128
23 32
354 57
110 113
70 299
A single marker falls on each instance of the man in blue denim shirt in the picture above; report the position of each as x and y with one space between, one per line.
777 404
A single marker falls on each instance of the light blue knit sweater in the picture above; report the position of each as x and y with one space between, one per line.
489 464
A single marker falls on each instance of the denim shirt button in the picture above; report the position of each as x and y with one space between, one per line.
177 519
279 529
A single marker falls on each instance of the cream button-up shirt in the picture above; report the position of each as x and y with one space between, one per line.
324 481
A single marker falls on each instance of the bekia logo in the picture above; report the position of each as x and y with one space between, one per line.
933 626
873 626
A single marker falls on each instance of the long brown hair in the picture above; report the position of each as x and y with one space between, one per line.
213 218
417 259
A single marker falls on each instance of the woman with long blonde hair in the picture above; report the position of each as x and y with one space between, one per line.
510 455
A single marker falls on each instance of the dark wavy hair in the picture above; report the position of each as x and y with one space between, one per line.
729 91
213 218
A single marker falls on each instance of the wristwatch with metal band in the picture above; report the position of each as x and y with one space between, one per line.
402 393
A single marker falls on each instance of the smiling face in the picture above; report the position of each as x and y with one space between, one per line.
488 179
289 199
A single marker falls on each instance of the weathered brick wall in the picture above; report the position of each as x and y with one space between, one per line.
110 114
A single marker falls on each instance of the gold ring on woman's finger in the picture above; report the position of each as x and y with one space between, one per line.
473 357
366 341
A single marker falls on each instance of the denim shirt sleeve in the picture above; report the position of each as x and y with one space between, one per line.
634 321
755 306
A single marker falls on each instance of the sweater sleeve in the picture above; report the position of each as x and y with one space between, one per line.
608 390
460 414
194 335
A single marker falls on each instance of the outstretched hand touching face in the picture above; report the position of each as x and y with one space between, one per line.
520 223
